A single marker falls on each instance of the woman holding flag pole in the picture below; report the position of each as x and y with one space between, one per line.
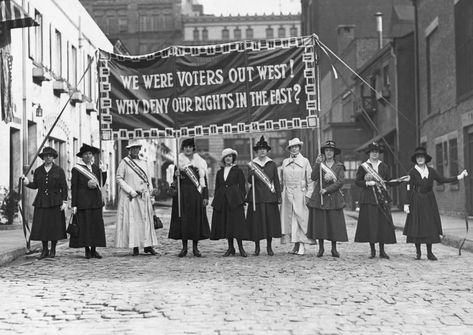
263 219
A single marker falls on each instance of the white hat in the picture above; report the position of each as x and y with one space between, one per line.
134 143
293 142
228 151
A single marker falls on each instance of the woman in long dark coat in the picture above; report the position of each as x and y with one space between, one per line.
326 219
375 223
87 203
194 197
423 223
265 222
228 218
49 223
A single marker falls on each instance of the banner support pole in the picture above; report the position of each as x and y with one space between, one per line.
319 132
252 177
178 179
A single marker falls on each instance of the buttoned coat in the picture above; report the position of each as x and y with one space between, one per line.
296 186
232 190
333 198
262 193
84 197
51 186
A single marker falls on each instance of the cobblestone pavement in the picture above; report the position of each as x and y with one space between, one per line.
284 294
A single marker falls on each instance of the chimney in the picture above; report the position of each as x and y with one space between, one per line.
345 34
379 28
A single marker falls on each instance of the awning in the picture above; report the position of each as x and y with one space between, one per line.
14 16
376 139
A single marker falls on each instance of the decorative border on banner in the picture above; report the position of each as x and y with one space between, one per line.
309 59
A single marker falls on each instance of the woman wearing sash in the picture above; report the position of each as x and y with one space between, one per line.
194 197
423 223
375 223
296 189
135 226
265 222
87 203
49 223
326 218
228 218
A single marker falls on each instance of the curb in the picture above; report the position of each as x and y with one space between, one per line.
448 240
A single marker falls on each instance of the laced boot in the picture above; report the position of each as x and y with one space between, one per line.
320 253
52 252
184 249
430 255
195 249
136 251
269 250
334 250
231 248
240 248
418 252
373 251
94 253
150 250
257 248
87 253
45 251
382 254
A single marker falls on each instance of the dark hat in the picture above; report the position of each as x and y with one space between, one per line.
330 145
374 146
188 142
421 151
86 148
48 151
261 144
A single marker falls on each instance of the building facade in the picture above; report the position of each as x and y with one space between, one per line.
445 44
52 69
144 26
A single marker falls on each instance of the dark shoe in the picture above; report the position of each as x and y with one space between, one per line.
373 254
87 253
270 251
320 253
230 251
183 253
52 253
418 254
384 255
257 250
335 254
95 254
150 250
431 257
44 254
243 252
136 251
196 252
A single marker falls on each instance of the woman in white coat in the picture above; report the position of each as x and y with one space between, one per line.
297 188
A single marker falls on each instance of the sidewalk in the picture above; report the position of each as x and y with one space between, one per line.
13 245
454 229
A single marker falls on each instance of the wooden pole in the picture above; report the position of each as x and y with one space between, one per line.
319 130
252 177
178 178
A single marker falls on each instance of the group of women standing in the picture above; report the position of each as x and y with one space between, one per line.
303 204
51 202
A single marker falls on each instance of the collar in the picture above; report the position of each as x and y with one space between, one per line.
374 165
262 163
424 172
298 160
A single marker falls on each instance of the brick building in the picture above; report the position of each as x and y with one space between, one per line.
445 44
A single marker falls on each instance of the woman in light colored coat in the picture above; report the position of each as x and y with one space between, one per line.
135 226
297 188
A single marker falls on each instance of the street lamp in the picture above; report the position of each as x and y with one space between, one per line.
39 111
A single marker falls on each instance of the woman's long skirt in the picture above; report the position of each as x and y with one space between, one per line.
228 223
91 229
374 225
49 224
264 223
327 224
423 223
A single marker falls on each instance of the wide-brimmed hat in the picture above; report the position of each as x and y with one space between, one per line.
228 151
261 144
420 151
330 145
293 142
48 151
86 148
188 142
134 143
374 146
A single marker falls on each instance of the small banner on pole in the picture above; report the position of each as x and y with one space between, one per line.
239 87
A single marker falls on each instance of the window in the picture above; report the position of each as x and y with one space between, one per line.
293 31
464 47
269 32
68 75
225 34
73 75
453 160
57 61
386 80
50 47
430 52
196 34
145 23
205 34
38 33
122 24
237 33
350 168
88 78
249 33
439 162
60 147
281 32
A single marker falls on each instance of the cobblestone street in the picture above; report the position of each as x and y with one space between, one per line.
284 294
